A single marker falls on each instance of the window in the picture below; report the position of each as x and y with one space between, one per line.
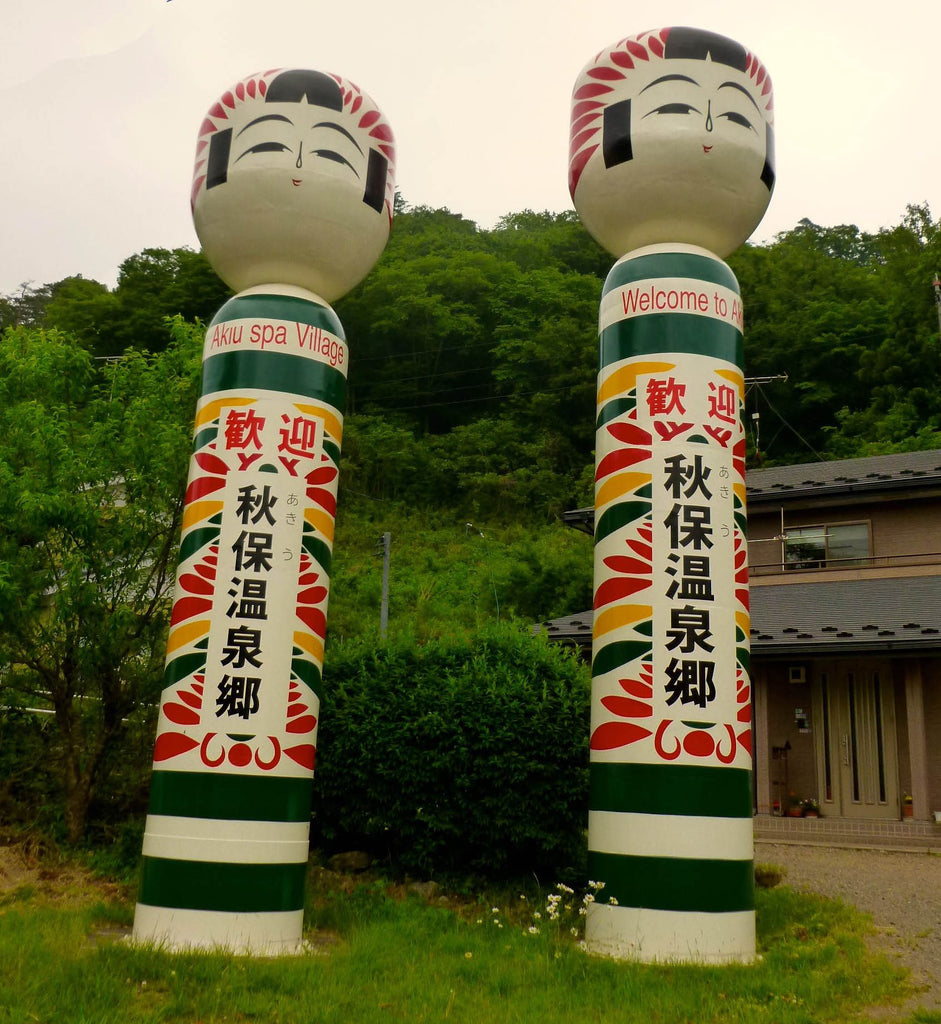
834 545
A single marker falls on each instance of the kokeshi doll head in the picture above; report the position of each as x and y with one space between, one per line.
672 141
294 183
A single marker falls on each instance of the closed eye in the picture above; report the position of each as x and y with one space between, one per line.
674 108
332 154
265 147
738 119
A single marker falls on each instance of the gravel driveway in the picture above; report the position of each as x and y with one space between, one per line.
902 891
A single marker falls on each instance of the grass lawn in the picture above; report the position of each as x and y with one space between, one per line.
378 955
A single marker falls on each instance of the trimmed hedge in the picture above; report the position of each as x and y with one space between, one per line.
456 757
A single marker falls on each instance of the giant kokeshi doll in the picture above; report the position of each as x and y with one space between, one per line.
671 167
292 200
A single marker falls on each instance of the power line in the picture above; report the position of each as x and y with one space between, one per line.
486 398
793 430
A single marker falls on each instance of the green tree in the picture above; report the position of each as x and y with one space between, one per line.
153 285
814 305
541 241
26 307
92 474
158 283
88 312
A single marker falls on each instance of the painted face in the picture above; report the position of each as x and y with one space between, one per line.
294 183
672 142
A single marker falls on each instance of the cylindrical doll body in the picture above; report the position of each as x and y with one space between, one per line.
226 840
292 200
670 824
671 166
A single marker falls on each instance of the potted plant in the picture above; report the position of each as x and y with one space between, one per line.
795 806
811 807
907 806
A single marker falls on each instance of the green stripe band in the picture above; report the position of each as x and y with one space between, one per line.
673 883
663 333
670 789
280 307
231 797
274 371
670 264
232 888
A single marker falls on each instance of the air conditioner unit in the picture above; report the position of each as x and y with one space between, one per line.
797 673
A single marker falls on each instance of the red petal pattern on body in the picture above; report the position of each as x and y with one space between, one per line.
180 715
614 589
211 463
637 688
619 459
630 433
610 735
303 755
302 725
172 744
625 707
187 607
314 619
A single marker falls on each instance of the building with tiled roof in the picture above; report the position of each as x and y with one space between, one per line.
845 580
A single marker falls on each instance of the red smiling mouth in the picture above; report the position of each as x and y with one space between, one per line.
296 181
705 149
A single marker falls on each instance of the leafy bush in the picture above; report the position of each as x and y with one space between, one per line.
460 756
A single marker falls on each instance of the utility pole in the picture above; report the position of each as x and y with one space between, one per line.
493 582
385 541
937 298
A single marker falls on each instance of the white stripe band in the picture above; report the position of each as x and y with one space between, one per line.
670 295
226 841
651 936
670 835
269 934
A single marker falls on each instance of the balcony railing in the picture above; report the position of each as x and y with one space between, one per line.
778 567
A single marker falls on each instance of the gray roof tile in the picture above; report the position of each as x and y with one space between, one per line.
866 473
839 616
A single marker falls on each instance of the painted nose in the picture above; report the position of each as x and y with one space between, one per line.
299 162
708 119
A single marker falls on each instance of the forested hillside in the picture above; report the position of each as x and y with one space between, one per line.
473 351
471 385
471 393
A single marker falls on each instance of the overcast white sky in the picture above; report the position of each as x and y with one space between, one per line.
100 102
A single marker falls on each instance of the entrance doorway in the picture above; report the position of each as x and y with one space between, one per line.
857 758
